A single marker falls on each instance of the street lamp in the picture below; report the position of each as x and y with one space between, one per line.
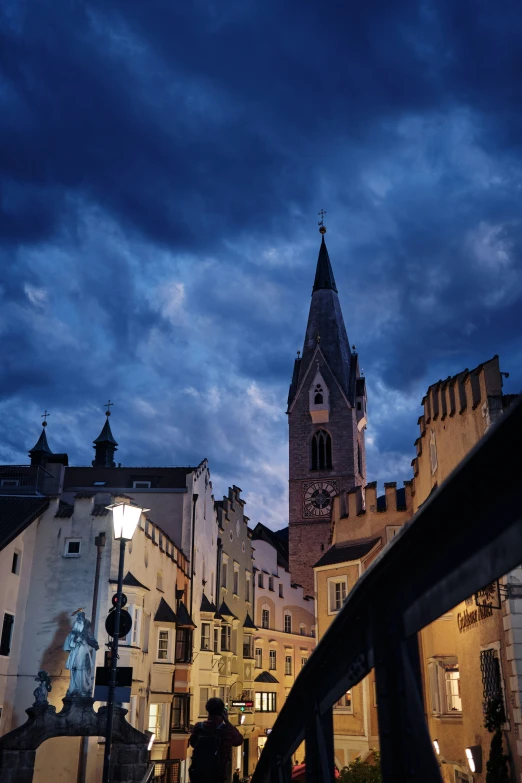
125 518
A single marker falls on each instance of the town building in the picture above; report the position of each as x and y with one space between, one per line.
54 542
285 630
326 419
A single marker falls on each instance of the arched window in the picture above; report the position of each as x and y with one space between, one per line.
321 451
318 395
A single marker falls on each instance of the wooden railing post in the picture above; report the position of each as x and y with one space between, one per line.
319 747
407 753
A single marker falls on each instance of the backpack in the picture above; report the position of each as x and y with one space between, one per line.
206 761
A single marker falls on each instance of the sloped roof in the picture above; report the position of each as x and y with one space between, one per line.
41 445
278 539
130 580
184 619
17 513
225 611
248 623
344 553
206 605
165 614
106 435
324 277
265 677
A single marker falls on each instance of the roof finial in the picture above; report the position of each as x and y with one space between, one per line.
108 406
44 417
298 354
322 227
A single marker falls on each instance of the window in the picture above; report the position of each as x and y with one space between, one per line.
336 593
312 631
224 574
146 633
288 664
321 451
444 680
72 547
281 591
183 645
288 622
159 581
141 484
99 483
7 634
158 721
163 645
247 587
136 625
304 661
203 698
259 658
180 712
302 629
492 686
345 702
265 702
17 559
260 580
271 583
225 638
248 646
433 452
236 579
273 660
265 618
216 639
318 395
205 636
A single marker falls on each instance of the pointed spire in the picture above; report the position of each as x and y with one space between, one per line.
105 445
40 450
324 277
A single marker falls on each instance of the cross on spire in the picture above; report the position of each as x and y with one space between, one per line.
108 406
44 417
322 229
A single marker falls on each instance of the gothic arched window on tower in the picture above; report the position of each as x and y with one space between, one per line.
318 395
321 451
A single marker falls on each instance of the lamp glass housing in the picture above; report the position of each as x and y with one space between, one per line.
436 746
125 520
471 760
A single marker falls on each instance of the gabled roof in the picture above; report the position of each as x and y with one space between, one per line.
265 677
16 514
225 611
184 619
344 553
206 605
130 580
248 623
165 614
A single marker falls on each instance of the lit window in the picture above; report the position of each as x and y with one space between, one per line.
444 679
265 702
345 702
225 638
72 547
158 721
265 618
248 646
288 664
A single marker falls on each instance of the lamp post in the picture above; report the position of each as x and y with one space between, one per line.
125 518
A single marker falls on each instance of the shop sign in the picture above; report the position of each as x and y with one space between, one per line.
243 704
469 618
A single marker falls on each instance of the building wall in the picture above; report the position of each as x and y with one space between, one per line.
295 645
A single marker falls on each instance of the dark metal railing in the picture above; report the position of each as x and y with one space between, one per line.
27 480
466 535
163 771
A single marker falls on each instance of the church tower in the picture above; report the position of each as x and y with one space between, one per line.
327 418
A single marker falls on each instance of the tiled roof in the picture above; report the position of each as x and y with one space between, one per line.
123 478
265 677
130 580
165 614
17 513
344 553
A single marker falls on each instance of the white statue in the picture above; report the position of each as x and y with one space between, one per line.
79 644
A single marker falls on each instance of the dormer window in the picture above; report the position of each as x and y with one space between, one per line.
141 484
319 399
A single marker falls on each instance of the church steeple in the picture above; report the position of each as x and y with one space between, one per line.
105 445
324 277
41 451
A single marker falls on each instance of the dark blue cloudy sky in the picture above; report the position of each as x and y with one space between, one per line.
162 166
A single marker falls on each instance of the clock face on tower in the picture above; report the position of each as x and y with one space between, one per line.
317 497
